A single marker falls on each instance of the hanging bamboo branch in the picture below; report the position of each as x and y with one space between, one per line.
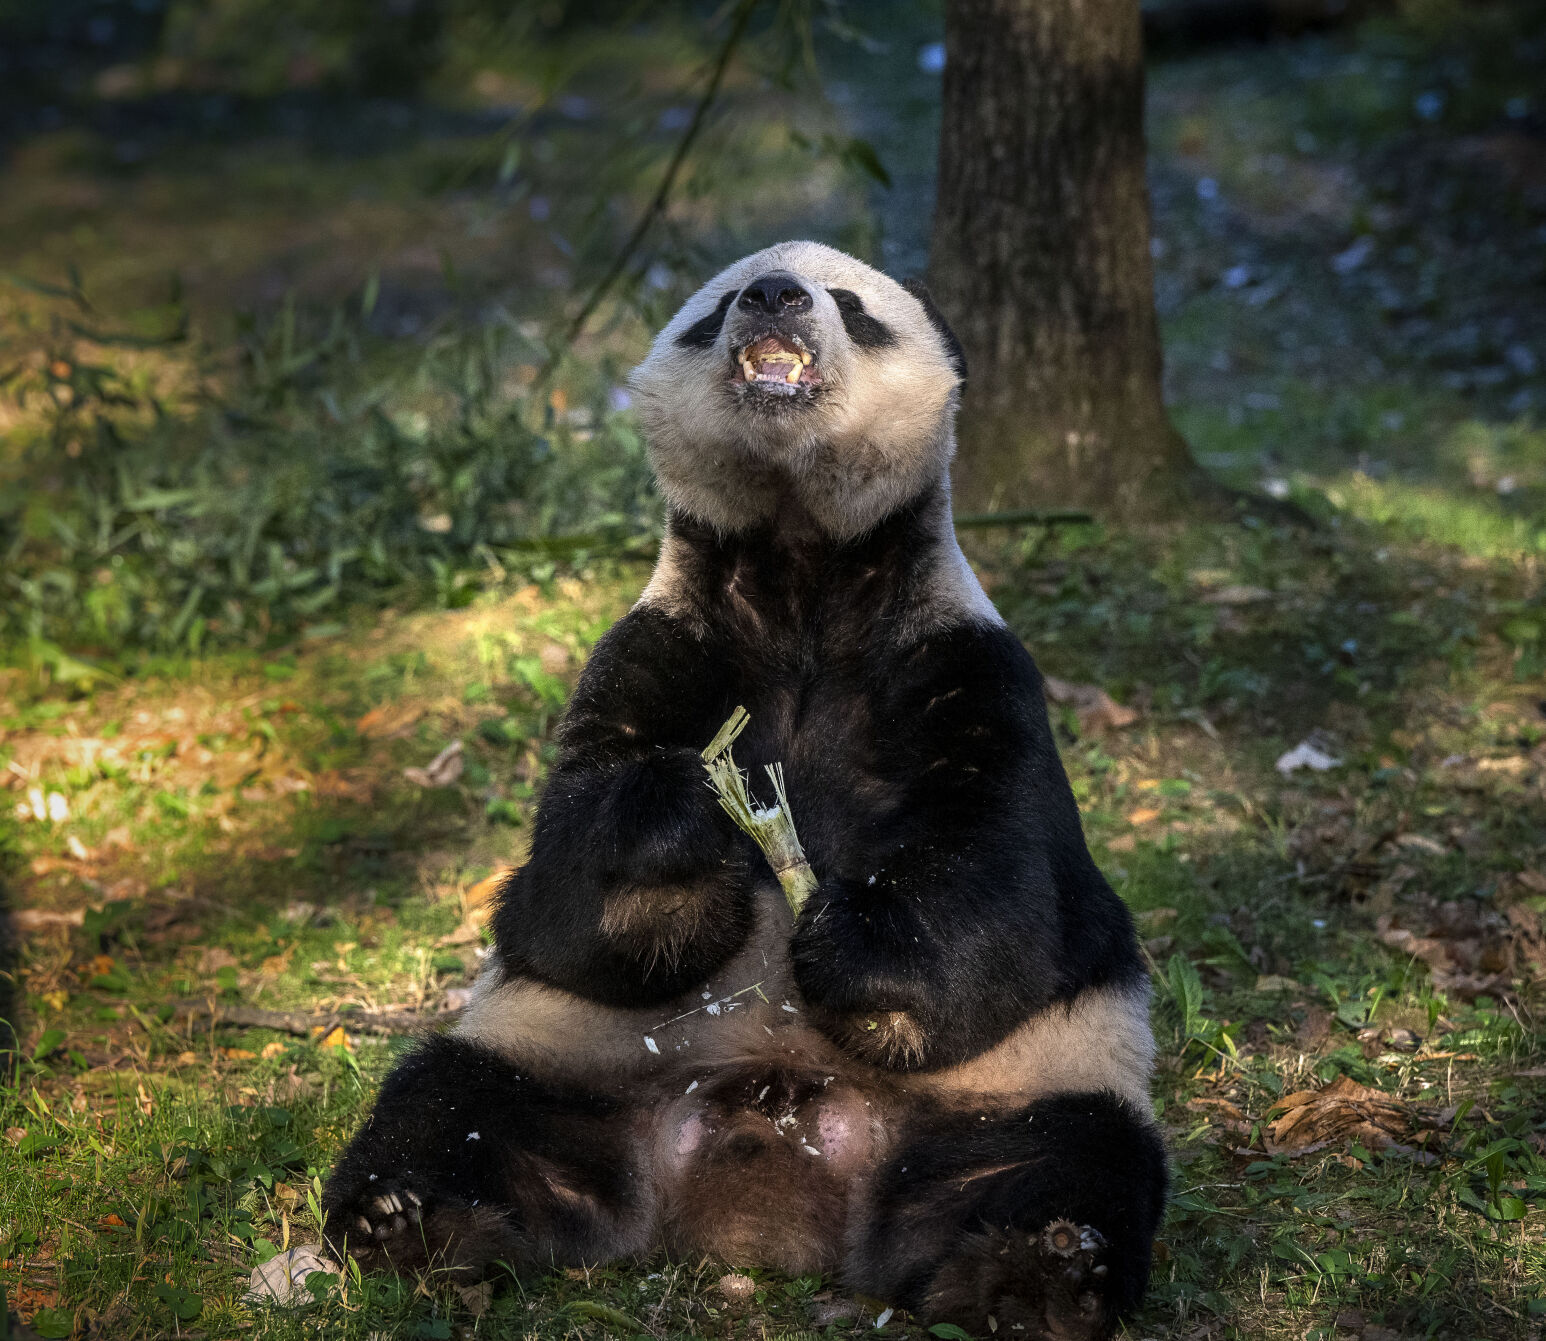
657 205
771 827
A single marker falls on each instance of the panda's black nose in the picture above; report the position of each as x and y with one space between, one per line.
777 293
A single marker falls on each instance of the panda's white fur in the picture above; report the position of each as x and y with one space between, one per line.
885 425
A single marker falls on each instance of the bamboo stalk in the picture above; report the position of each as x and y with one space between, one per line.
770 827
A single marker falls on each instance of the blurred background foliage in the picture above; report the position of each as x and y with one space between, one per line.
284 280
224 443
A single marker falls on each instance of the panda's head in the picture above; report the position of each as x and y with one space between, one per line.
800 375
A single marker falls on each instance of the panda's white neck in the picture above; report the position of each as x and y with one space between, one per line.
792 561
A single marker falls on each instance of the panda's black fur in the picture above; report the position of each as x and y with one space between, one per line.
933 1081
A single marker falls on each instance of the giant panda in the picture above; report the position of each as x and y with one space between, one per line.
933 1081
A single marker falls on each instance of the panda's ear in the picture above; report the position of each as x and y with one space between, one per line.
920 291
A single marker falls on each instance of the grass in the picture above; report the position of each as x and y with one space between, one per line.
245 835
205 800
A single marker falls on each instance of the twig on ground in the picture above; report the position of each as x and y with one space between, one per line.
976 521
305 1024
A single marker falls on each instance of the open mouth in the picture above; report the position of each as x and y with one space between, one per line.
780 364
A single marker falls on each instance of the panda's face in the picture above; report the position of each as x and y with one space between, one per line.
800 368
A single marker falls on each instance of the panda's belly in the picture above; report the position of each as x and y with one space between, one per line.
747 1008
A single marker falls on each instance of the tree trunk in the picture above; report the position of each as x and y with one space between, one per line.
1040 259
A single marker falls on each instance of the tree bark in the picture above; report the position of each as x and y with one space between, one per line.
1040 259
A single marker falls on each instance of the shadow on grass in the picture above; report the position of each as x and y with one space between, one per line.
1277 633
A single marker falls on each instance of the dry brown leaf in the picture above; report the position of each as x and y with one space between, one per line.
290 1087
238 1054
554 658
1143 815
274 1049
213 958
1223 1113
52 865
1092 705
476 1298
269 853
1470 948
389 721
354 784
101 965
1343 1112
482 892
1223 1107
336 1037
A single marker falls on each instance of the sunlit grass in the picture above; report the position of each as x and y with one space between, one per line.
237 827
1477 525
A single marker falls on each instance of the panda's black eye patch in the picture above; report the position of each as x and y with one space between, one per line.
702 334
864 330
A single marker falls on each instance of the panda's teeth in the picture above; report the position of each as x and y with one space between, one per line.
794 373
805 358
749 372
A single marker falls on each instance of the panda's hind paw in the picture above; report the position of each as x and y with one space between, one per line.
1052 1284
392 1212
403 1224
385 1219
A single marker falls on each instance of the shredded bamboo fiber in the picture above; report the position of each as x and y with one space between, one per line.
771 828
